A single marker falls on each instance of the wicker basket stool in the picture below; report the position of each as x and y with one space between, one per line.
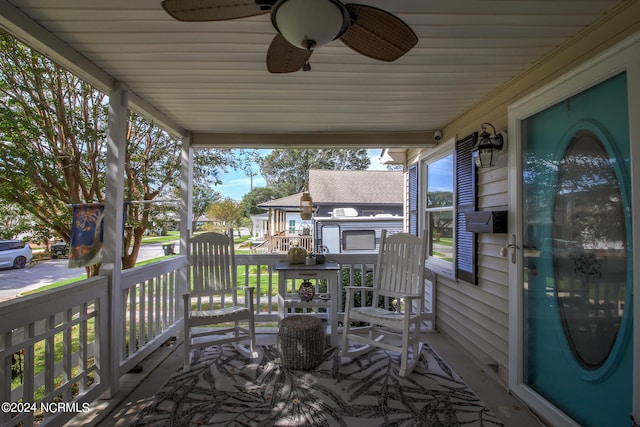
301 342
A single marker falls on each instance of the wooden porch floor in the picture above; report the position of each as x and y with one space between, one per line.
137 389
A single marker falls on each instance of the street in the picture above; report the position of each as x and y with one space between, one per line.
45 272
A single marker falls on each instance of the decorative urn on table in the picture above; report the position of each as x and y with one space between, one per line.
306 291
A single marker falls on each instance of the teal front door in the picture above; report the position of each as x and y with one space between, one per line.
577 249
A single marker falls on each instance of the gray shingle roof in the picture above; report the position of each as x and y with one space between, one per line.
348 187
292 201
358 187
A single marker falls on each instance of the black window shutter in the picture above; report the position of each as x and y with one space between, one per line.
413 199
466 198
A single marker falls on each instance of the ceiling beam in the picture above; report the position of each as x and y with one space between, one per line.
315 140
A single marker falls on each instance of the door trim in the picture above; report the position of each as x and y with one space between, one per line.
623 57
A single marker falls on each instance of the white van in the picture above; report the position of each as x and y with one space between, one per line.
14 254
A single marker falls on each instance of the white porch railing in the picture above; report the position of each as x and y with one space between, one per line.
150 309
52 340
57 341
59 338
282 244
259 271
355 270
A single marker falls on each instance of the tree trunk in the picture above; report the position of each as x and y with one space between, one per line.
93 270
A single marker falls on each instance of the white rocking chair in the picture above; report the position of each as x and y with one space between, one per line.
399 277
214 298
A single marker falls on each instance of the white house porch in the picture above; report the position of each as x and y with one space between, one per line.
476 62
148 351
150 314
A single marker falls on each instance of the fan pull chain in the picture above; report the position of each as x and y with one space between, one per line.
309 45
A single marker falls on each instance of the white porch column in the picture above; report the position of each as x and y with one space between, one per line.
112 231
186 214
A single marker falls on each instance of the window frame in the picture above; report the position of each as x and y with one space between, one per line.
459 149
441 267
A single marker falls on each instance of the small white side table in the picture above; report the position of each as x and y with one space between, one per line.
288 299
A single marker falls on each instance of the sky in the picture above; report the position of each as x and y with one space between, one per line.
235 184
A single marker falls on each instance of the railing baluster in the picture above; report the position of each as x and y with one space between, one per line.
170 299
82 347
6 375
66 353
49 356
142 310
29 370
270 288
157 316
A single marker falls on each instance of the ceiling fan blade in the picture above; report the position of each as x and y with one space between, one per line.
211 10
378 34
283 57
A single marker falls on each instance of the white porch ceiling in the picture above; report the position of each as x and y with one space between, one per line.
210 78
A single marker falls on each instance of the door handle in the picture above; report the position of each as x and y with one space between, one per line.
513 246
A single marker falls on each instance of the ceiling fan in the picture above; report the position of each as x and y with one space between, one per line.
304 25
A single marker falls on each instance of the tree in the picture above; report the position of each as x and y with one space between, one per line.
228 213
14 221
288 170
252 199
203 197
54 130
440 221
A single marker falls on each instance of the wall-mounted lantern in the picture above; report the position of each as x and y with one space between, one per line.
485 153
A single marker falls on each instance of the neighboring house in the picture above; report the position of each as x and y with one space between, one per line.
368 192
259 226
360 193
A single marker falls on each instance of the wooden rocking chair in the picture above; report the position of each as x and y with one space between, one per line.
399 277
215 300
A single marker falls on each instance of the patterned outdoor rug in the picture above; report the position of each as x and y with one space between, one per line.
225 389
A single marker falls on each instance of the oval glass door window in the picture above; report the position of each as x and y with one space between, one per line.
589 249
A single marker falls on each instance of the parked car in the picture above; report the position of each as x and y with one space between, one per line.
59 249
14 254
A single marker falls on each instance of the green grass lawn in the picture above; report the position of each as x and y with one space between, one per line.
446 241
442 256
171 236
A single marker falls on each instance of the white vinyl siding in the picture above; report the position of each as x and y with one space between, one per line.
477 316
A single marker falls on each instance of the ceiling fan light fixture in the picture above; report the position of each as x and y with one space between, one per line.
309 24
